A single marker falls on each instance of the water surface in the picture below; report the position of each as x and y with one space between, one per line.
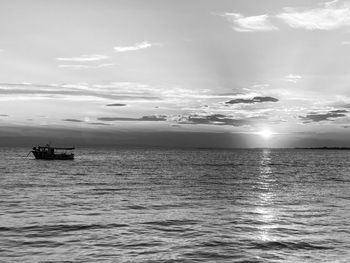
150 205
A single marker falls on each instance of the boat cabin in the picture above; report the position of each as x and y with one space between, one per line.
52 153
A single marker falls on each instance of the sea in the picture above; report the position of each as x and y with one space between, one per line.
176 205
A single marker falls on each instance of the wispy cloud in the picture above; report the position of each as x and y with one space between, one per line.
116 105
85 122
105 65
292 78
144 118
114 91
73 120
332 15
84 58
77 67
250 23
331 3
98 123
137 46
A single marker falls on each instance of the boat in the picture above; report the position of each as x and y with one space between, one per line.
52 153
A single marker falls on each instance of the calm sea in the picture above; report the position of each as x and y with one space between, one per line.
141 205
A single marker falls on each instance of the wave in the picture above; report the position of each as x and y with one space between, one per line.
172 222
218 164
40 230
288 245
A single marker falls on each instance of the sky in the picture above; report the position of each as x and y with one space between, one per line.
196 73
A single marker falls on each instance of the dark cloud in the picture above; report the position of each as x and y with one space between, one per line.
117 119
144 118
154 118
98 123
217 119
329 116
116 105
3 115
253 100
73 120
339 111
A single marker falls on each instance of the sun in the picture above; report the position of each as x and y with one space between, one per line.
265 133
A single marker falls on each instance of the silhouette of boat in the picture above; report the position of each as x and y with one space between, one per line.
52 153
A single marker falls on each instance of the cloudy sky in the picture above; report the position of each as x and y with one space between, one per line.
237 73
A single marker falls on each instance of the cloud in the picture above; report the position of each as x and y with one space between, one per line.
105 65
292 78
144 118
215 119
250 23
74 66
253 100
343 103
137 46
329 17
98 123
328 116
116 105
85 58
116 91
91 123
3 115
218 119
331 3
339 111
73 120
170 97
87 66
154 118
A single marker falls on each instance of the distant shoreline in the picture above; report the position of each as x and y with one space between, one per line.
190 148
323 148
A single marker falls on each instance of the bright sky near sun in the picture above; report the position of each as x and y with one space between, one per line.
240 67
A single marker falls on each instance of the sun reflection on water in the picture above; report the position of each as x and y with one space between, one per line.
265 209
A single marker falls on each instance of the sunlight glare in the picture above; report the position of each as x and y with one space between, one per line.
266 133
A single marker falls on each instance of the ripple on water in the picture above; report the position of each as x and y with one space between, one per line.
143 205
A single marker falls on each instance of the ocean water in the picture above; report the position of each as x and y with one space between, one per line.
151 205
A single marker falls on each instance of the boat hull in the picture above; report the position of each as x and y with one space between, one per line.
57 156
